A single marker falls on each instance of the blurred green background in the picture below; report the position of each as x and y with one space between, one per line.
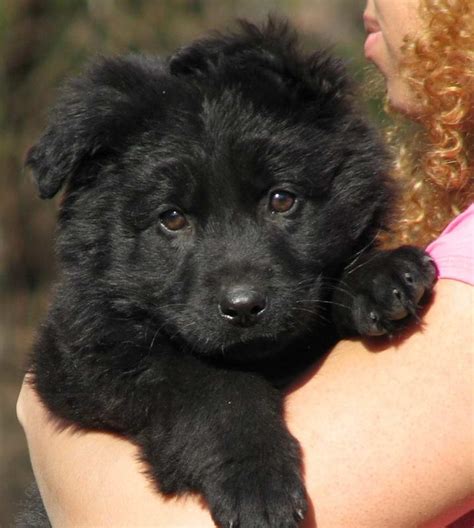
42 42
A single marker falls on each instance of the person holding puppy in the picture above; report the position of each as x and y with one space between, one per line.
385 434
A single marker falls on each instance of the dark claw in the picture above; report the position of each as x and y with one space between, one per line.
300 514
428 260
412 310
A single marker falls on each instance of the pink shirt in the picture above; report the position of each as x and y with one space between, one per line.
453 250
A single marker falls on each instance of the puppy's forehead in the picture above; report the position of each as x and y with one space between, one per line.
251 146
229 149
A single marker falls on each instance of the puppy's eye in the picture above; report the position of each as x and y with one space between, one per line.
173 220
281 201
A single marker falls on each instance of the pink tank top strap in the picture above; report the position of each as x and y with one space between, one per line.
453 250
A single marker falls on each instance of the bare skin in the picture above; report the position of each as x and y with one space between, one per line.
388 23
387 435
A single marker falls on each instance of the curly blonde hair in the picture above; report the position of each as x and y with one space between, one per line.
435 163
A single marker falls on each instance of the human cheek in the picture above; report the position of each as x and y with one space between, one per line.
393 46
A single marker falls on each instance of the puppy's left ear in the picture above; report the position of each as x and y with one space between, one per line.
93 118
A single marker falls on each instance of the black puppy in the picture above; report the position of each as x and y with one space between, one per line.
216 236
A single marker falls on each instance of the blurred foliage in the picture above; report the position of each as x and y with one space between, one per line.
42 42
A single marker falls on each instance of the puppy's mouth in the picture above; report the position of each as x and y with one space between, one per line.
258 346
247 349
255 349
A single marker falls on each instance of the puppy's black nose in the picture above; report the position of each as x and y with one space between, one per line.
242 305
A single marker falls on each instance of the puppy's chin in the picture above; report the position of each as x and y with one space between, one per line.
245 345
255 349
247 351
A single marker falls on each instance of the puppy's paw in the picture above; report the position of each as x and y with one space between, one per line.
263 496
389 289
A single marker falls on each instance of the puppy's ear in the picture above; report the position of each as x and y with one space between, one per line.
93 117
269 53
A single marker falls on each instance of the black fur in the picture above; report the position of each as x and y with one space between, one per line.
31 512
148 335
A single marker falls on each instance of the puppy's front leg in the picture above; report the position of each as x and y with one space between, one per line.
221 433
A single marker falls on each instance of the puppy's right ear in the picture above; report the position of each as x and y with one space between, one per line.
72 137
93 118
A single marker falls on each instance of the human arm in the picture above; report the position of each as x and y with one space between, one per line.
387 438
392 432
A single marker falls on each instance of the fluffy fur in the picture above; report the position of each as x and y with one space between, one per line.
180 339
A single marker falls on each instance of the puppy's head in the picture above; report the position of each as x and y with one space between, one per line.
211 197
